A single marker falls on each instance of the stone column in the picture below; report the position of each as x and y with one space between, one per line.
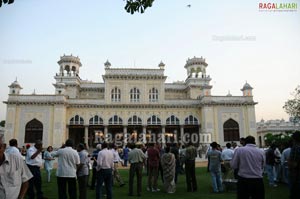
67 136
124 136
144 134
199 134
86 136
163 135
105 133
181 134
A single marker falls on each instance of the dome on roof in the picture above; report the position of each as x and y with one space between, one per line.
246 87
69 59
15 84
195 61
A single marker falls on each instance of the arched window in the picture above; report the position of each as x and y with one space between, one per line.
191 120
231 131
134 95
173 120
115 95
115 120
153 95
153 120
76 120
96 120
33 131
134 120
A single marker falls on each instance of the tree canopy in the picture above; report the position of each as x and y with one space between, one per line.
292 106
132 6
2 123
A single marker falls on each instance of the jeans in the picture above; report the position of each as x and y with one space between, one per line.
216 181
35 182
270 173
104 175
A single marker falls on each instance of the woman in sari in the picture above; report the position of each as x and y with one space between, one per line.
168 165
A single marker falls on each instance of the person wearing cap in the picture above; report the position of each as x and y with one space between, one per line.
136 158
68 161
94 170
14 175
34 161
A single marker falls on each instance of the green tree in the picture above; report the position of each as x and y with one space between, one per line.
2 123
292 106
279 140
132 6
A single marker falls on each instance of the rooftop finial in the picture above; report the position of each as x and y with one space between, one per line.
107 64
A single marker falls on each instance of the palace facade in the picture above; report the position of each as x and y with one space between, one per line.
130 103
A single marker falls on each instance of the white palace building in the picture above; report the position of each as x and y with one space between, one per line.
130 103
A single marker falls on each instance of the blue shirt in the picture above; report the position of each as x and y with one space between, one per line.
249 160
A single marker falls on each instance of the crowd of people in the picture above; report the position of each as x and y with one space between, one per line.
245 165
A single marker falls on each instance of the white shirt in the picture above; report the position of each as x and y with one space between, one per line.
227 154
116 156
105 159
68 159
13 172
13 150
37 161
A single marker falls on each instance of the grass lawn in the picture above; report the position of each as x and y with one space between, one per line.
204 189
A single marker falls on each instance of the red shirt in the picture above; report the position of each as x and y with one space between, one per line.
153 157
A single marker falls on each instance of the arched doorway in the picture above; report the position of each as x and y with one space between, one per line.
33 131
231 131
76 129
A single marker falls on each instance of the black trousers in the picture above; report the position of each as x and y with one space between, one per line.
62 187
135 168
190 175
250 188
94 178
35 182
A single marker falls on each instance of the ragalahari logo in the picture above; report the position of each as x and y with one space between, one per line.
278 7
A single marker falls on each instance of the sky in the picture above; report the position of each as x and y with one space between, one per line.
239 42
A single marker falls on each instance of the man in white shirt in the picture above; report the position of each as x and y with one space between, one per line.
34 161
68 160
14 175
13 148
105 165
117 159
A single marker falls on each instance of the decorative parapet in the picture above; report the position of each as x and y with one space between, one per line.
276 126
198 81
227 100
36 99
175 86
133 72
